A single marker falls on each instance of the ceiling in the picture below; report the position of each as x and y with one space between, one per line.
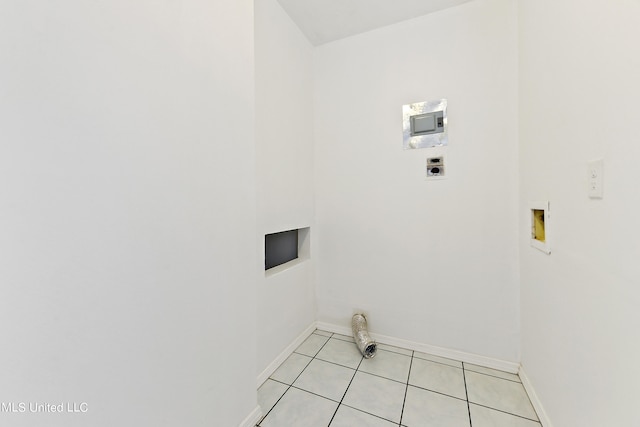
323 21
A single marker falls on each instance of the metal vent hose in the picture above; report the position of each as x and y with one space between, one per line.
366 345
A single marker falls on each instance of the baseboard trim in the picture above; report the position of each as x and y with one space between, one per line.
285 353
253 418
535 401
488 362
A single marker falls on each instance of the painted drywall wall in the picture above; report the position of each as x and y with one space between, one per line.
431 262
579 91
127 198
284 170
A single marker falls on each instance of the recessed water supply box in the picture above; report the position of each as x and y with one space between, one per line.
539 218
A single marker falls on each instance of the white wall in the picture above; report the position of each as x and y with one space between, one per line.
579 91
431 262
284 150
127 199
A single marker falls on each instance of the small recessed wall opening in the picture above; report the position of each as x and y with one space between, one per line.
280 248
539 220
537 230
285 248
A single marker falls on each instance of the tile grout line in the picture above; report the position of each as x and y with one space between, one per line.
368 413
345 392
314 393
406 389
466 393
464 370
469 369
439 363
335 363
380 376
437 392
493 376
496 409
273 406
289 386
508 413
530 403
295 379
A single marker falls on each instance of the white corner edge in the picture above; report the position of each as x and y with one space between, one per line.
266 373
253 418
535 401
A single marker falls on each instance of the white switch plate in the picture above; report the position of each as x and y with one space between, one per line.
595 178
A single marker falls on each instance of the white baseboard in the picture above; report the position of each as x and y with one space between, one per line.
535 401
488 362
285 353
253 418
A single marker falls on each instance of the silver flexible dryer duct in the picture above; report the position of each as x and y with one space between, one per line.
366 345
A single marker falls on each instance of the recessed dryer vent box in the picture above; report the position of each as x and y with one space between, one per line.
539 219
425 124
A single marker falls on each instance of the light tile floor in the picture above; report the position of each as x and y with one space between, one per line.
327 382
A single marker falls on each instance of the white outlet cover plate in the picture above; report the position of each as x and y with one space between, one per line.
595 178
